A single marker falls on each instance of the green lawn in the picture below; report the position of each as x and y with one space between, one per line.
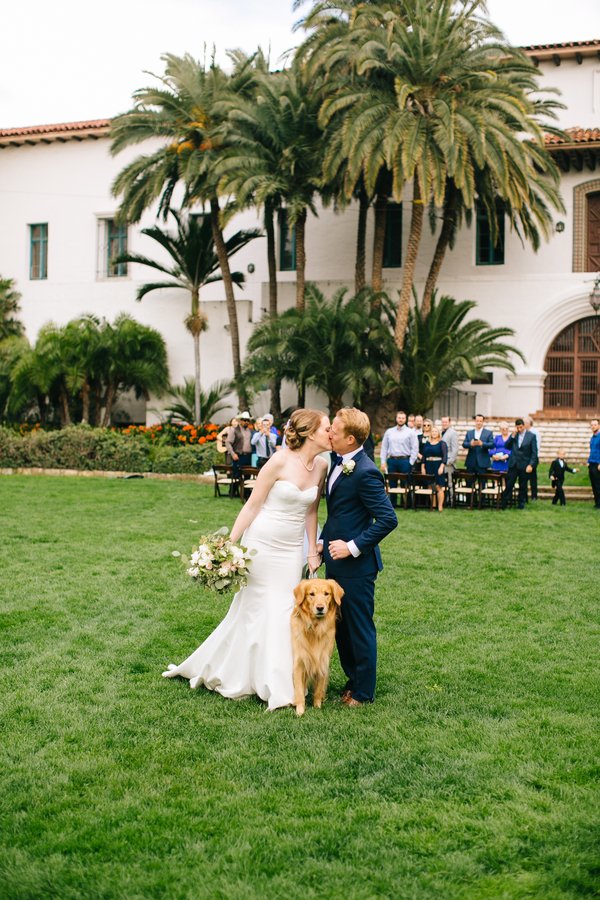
472 776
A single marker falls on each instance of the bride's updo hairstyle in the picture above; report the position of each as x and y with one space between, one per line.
302 424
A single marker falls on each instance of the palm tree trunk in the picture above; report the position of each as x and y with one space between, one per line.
381 204
300 260
412 250
230 299
271 261
443 242
111 392
197 405
65 415
360 277
275 384
85 402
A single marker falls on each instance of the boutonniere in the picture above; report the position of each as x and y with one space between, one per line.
348 467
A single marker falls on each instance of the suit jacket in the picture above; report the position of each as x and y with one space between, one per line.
523 456
359 510
557 472
479 456
450 438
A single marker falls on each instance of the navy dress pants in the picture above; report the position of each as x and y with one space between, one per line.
356 636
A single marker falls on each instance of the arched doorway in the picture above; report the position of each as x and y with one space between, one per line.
572 385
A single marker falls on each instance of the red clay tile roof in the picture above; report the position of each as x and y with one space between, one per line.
62 131
566 45
574 136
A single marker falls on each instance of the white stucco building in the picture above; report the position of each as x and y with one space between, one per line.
56 226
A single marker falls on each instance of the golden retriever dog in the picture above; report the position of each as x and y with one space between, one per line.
313 636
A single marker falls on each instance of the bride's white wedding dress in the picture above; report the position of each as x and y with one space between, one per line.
250 652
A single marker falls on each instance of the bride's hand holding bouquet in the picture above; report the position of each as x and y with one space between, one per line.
218 563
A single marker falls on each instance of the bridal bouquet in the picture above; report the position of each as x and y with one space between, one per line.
219 564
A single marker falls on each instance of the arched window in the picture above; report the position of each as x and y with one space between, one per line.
573 367
586 217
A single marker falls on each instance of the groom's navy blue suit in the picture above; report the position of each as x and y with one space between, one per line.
359 510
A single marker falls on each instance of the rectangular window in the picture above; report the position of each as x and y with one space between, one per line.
489 252
116 244
287 244
38 252
392 245
486 378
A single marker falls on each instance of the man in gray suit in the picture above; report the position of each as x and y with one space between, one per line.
450 438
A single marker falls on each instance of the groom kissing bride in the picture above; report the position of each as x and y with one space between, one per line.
250 652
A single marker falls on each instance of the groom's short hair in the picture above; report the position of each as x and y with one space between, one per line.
356 423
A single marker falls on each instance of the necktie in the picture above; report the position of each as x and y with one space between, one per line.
268 445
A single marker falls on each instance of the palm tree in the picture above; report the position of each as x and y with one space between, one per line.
274 158
338 345
135 359
184 115
183 406
9 306
444 95
41 375
195 264
12 350
441 350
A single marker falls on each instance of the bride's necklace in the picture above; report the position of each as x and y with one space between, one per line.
308 468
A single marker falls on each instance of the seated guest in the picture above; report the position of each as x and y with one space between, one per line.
499 455
478 442
435 454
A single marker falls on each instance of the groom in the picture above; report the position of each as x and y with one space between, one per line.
359 516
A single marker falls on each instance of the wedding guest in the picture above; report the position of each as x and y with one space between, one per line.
419 423
594 461
423 438
435 454
478 442
238 443
399 449
263 441
533 477
522 457
450 438
499 454
410 421
558 467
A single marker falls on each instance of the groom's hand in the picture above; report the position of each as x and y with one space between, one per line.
338 550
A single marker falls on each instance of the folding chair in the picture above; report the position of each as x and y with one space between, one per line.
224 478
248 476
398 483
422 487
491 486
465 486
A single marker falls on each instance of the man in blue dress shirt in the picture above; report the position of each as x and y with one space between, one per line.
399 450
594 461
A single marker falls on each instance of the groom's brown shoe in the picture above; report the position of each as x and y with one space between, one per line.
351 702
345 696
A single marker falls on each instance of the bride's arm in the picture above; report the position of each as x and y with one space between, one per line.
265 480
312 523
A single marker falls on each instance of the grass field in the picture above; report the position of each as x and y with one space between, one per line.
474 775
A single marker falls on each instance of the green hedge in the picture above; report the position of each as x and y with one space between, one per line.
100 449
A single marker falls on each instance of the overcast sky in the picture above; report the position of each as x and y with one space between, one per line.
69 60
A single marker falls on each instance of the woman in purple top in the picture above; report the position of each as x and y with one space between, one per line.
500 454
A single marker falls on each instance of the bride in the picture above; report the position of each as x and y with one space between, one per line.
250 652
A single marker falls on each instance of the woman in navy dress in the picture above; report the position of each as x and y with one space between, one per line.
435 454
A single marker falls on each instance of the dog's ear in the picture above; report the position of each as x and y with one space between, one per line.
338 592
299 592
